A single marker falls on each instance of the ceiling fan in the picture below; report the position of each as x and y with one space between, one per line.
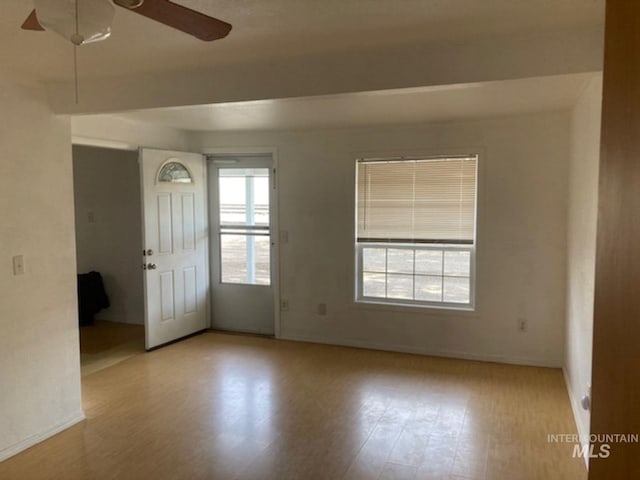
64 16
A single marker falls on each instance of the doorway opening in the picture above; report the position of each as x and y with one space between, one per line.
176 255
108 242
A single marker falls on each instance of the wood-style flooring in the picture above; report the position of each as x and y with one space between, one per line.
220 406
106 343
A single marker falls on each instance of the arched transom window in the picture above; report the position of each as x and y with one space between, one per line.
174 172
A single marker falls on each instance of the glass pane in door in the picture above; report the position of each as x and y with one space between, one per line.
245 236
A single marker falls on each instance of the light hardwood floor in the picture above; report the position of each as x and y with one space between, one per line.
105 344
221 407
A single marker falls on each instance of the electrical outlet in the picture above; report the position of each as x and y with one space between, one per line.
18 265
284 304
322 309
586 398
522 324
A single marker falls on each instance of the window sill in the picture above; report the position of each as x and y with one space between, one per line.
425 310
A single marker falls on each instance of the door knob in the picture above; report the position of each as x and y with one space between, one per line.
152 266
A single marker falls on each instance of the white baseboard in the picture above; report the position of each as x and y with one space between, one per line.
575 409
39 437
421 350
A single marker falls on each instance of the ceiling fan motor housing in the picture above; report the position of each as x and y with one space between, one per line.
79 22
131 4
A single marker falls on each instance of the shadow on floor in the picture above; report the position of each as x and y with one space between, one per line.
106 343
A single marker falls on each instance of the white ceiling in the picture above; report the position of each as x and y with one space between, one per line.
405 106
269 29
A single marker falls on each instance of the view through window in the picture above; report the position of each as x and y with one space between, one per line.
245 252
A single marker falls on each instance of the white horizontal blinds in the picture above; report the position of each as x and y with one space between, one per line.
422 200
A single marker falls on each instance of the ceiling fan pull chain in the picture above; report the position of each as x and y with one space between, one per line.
75 73
75 56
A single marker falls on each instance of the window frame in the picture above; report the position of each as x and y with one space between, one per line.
444 247
472 248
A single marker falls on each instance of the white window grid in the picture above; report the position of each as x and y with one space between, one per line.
360 297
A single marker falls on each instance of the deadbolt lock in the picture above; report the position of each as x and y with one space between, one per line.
149 252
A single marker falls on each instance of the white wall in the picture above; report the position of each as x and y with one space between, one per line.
39 346
581 238
112 131
109 226
521 239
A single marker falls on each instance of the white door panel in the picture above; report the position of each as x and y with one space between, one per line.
176 245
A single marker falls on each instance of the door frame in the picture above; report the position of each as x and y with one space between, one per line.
275 218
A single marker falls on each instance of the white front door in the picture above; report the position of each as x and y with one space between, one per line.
241 196
175 239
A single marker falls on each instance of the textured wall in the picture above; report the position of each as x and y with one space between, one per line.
521 237
39 359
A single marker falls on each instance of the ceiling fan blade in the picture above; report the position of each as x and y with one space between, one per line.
182 18
32 23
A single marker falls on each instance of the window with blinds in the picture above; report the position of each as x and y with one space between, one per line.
417 201
415 238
